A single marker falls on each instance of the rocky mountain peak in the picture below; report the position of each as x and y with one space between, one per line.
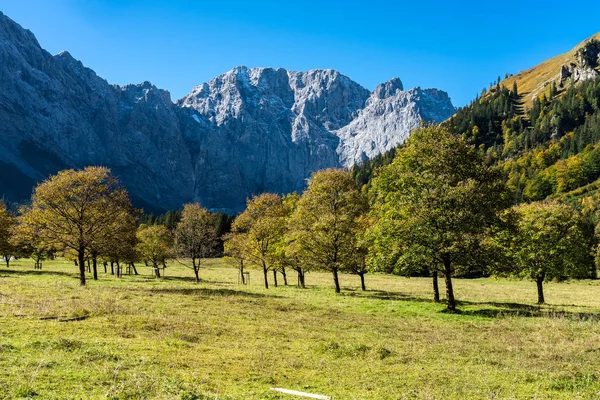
389 88
247 131
13 33
148 93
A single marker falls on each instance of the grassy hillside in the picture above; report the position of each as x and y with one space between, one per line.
537 80
173 339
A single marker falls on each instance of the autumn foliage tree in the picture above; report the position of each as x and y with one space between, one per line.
7 226
75 210
234 248
324 225
120 247
260 226
154 245
195 235
285 254
29 240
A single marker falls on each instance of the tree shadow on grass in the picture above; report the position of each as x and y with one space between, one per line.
35 272
505 310
205 292
490 310
384 295
145 277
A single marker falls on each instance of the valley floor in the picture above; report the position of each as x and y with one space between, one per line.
174 339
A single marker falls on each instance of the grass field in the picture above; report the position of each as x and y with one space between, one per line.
173 339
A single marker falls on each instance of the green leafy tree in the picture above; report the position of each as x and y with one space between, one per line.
358 264
75 210
195 236
436 199
323 227
547 243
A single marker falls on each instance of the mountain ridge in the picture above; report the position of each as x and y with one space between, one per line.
535 81
244 132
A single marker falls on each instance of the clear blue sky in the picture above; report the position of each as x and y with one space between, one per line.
456 46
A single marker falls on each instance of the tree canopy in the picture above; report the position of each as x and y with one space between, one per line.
76 210
261 225
326 220
547 243
436 198
195 235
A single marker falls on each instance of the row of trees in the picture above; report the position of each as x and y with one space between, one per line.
87 215
437 208
320 230
438 204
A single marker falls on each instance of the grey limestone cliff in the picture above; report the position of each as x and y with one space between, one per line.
244 132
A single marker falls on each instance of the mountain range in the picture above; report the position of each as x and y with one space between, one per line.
248 131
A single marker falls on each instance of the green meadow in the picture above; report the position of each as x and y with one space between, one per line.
140 337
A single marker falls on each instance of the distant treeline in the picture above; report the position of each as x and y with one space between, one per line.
170 219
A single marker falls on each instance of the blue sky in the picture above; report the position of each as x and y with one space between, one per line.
458 46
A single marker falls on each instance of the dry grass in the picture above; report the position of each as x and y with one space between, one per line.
173 339
536 81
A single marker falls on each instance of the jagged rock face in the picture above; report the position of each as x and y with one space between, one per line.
589 55
388 118
588 59
55 114
245 132
250 133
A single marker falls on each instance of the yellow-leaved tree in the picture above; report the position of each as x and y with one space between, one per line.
195 236
325 225
257 230
76 209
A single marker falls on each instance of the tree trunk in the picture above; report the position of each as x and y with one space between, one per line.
242 272
95 266
450 302
134 269
275 277
81 256
540 288
105 265
196 268
112 267
362 280
436 288
89 267
284 276
119 272
301 278
7 260
336 280
265 274
156 270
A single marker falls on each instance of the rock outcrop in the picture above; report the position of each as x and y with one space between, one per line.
245 132
587 61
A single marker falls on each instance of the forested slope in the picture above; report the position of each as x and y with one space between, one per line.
549 147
